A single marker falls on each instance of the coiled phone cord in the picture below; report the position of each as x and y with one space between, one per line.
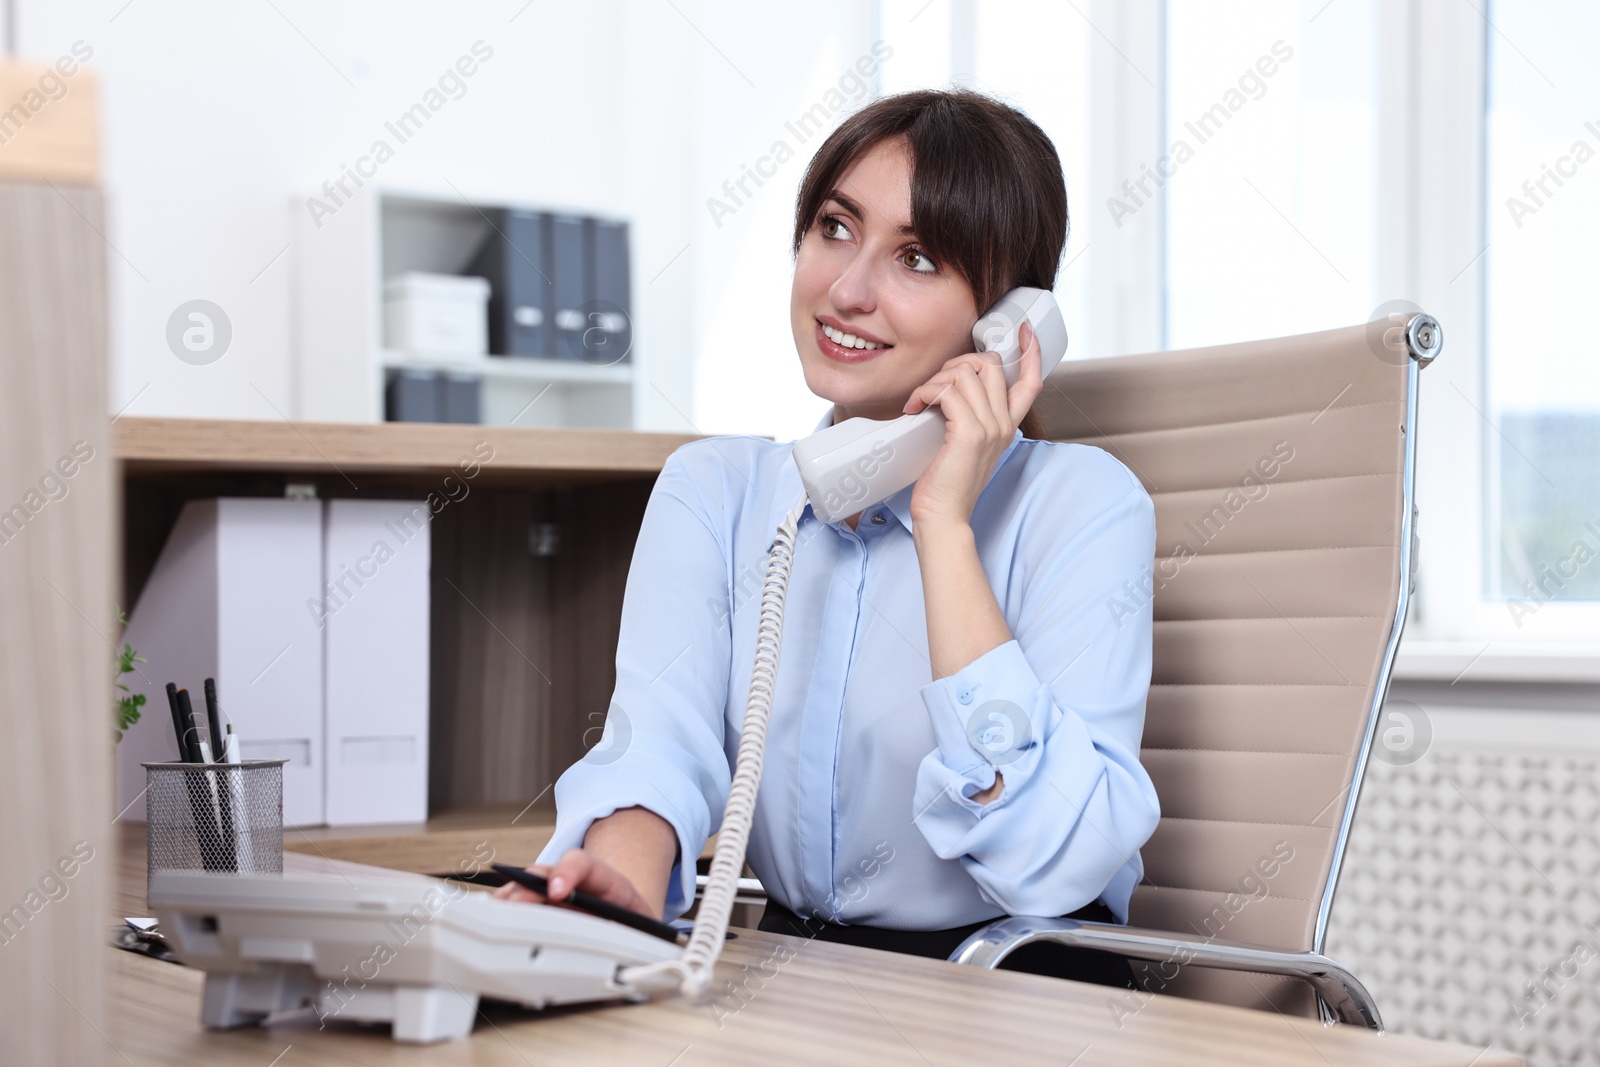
692 971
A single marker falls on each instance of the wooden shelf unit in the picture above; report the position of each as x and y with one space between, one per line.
522 647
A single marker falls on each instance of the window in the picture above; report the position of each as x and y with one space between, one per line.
1542 171
1043 72
1448 154
1269 170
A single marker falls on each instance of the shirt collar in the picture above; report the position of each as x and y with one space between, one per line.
898 504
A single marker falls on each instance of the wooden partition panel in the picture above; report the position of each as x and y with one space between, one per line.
58 849
492 667
524 646
586 599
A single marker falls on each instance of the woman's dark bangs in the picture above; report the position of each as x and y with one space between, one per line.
958 210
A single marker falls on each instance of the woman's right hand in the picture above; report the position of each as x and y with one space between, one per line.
580 869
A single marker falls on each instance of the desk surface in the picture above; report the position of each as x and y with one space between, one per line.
147 444
808 1002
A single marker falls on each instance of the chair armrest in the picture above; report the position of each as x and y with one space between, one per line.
751 891
1340 990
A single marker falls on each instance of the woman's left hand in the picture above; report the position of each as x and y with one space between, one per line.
981 415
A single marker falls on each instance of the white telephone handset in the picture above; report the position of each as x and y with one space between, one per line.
858 462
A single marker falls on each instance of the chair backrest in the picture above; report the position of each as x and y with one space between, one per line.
1281 473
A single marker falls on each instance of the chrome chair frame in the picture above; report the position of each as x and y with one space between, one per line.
1337 988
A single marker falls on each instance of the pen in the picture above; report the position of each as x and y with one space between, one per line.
177 723
211 781
592 904
217 783
213 720
208 831
244 849
190 750
217 755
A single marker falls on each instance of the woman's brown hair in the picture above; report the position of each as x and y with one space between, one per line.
987 194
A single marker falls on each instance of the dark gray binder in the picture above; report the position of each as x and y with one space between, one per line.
609 339
460 397
570 275
412 396
515 258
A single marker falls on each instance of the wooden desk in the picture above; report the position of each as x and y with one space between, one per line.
809 1002
545 631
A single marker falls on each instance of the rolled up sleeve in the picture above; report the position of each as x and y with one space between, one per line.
662 747
1058 712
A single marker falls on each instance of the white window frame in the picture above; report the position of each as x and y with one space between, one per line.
1127 127
1431 234
1447 44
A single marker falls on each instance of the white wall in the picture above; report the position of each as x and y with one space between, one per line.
215 117
750 379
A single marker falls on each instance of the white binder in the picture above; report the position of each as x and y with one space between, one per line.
375 565
229 599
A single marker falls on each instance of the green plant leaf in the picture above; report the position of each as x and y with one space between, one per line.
127 707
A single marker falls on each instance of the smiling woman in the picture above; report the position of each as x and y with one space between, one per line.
985 733
978 203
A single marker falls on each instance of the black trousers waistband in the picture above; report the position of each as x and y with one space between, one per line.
1056 961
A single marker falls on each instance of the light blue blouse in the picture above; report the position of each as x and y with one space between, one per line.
864 814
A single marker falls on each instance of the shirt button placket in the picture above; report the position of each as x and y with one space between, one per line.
844 675
824 716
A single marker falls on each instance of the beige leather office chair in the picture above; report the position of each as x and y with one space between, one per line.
1283 477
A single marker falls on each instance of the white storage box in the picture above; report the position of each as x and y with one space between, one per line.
439 315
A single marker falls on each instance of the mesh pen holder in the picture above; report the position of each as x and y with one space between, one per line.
225 817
